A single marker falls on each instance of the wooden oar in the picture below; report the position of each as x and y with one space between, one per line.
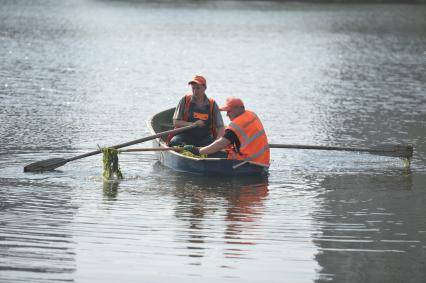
50 164
393 150
396 150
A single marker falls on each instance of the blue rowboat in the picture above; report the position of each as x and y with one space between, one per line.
215 165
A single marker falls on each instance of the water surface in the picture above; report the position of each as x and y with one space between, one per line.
81 74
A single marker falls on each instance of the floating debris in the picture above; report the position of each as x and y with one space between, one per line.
110 164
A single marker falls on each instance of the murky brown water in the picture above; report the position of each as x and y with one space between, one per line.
78 74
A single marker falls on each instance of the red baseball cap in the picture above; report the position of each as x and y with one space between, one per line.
231 102
199 80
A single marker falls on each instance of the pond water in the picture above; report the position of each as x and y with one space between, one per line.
81 74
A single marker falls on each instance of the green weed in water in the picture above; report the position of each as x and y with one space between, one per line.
110 164
407 162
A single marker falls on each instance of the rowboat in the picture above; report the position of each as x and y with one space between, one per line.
214 165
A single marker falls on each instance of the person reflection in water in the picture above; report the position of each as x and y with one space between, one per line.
243 210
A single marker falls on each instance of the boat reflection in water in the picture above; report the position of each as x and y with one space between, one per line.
224 210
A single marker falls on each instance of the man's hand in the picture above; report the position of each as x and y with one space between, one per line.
192 149
199 123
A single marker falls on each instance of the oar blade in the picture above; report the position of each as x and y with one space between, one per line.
45 165
393 150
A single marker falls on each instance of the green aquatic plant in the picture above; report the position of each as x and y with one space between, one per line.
188 153
407 162
110 164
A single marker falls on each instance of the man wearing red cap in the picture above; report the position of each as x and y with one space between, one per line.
197 108
244 138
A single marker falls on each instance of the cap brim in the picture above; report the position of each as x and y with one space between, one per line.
225 108
195 82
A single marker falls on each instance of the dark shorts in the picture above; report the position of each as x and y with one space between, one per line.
185 139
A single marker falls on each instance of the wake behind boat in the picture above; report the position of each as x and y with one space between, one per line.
215 164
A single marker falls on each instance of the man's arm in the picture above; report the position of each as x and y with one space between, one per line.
182 123
220 128
217 145
178 121
220 131
178 115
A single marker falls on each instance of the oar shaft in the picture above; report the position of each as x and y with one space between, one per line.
162 134
319 147
398 150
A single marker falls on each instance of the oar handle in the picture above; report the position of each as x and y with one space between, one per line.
162 134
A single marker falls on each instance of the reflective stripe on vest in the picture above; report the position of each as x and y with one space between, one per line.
247 139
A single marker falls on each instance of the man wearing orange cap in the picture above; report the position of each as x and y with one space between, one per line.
197 108
244 138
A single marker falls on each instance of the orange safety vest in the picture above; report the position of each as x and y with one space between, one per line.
188 99
254 143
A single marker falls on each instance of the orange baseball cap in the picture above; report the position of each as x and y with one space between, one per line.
199 80
231 102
